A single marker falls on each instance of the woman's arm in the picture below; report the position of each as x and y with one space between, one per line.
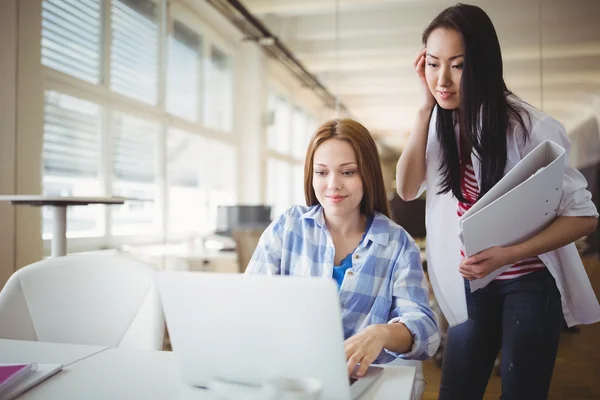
563 231
366 345
410 170
412 331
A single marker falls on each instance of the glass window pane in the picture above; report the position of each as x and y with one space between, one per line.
71 32
271 131
184 73
71 161
135 147
279 131
221 177
219 91
299 134
279 186
298 182
201 176
188 194
134 50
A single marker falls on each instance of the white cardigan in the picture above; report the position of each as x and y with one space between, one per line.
579 302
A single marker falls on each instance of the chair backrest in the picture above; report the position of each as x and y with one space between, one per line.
84 299
246 240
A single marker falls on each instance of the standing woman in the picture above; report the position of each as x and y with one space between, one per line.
470 130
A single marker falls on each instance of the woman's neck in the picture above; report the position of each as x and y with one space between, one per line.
347 224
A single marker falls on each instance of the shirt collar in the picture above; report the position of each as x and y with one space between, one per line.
378 233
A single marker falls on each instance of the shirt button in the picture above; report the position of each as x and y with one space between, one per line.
350 273
356 256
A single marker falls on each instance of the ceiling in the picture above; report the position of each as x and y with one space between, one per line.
369 62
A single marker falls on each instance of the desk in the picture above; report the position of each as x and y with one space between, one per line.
134 374
22 351
59 213
186 257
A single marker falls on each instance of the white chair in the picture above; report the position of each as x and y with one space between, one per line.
84 299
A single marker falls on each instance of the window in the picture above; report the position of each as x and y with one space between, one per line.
279 185
220 175
188 194
135 154
198 185
184 73
134 50
288 134
111 129
298 181
71 160
219 100
71 32
279 131
300 134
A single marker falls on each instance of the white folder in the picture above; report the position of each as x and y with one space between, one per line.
523 203
42 372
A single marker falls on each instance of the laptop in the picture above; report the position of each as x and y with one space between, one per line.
249 329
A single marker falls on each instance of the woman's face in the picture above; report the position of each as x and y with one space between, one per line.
336 179
443 66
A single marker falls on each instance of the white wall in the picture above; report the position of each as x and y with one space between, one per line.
8 115
29 139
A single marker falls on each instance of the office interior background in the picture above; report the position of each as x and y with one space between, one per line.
192 106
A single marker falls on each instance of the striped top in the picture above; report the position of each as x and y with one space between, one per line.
470 191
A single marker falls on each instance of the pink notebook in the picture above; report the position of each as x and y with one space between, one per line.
11 375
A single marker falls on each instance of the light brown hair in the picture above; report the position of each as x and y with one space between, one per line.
367 158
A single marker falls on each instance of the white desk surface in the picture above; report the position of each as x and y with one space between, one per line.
133 374
21 351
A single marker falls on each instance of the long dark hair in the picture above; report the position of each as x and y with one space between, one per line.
485 113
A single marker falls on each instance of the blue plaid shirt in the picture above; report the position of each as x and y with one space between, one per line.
386 283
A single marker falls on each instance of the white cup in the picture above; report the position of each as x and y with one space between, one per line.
288 388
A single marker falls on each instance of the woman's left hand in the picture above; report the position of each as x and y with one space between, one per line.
484 263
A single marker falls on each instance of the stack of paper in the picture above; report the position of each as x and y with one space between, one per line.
523 203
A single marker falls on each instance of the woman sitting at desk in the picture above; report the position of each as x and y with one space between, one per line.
346 234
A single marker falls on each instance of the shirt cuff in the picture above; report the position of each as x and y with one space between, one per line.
412 328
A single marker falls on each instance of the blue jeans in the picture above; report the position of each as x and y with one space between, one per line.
524 317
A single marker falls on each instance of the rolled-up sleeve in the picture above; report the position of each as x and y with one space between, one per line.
576 200
266 259
411 305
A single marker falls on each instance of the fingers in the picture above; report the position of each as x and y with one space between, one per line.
420 55
352 361
472 271
419 63
466 272
420 66
468 277
364 365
